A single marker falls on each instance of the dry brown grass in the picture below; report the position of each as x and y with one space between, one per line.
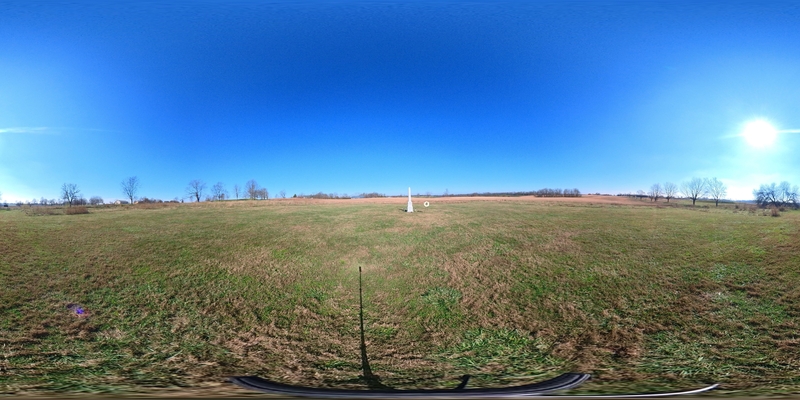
154 206
42 210
189 294
76 210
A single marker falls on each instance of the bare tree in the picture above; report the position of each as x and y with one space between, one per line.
236 191
670 190
787 194
716 189
195 189
694 189
655 191
791 194
262 194
218 191
70 193
283 194
96 200
778 195
251 187
767 195
130 188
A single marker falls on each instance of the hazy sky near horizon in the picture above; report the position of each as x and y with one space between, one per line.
363 96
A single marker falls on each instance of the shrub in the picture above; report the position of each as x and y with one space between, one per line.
76 210
774 211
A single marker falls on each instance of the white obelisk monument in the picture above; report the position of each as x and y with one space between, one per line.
410 206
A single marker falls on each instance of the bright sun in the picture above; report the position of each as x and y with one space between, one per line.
760 133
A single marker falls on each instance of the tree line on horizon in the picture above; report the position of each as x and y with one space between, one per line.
767 195
538 193
196 190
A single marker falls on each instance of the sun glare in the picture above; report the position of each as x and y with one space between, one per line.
760 133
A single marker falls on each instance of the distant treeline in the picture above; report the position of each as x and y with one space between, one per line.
538 193
767 195
320 195
145 200
558 193
547 192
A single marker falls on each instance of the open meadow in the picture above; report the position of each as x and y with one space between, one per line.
177 297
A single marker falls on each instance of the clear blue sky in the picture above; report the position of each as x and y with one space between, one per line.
362 96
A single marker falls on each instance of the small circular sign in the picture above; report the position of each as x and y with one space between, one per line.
426 204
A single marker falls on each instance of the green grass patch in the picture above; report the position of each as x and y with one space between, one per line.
641 295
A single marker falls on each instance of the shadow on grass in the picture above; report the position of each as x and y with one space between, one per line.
372 380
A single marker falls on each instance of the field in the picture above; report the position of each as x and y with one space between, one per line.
178 297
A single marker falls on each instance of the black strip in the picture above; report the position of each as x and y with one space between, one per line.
561 382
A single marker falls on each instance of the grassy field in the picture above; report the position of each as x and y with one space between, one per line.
182 296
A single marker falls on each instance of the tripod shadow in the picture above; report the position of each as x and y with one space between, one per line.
372 380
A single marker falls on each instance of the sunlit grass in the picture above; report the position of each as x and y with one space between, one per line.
642 296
